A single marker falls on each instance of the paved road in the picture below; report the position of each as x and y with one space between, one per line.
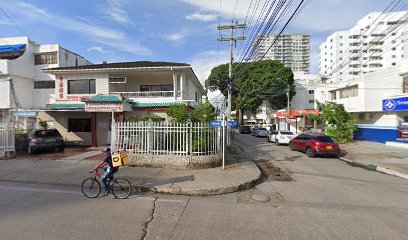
327 200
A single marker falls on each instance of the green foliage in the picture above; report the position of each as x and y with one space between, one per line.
178 113
254 82
43 124
146 117
339 124
204 112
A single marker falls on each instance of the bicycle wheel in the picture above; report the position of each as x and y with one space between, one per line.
91 187
121 188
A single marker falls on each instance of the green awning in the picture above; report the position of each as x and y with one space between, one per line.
67 105
105 98
156 104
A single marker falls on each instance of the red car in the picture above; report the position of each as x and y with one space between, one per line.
315 145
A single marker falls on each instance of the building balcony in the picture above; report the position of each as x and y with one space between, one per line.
150 94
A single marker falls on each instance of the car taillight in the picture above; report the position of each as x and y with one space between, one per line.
34 140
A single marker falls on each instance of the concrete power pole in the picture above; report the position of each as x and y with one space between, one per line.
288 109
231 39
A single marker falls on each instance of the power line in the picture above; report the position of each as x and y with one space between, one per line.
12 21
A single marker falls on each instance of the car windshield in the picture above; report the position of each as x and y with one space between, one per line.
262 129
245 127
286 133
46 133
324 139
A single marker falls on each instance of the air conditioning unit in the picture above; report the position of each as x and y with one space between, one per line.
117 80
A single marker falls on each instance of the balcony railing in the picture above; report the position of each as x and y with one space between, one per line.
152 94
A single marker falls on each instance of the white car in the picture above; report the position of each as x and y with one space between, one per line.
280 137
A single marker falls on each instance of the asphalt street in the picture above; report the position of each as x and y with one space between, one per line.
327 199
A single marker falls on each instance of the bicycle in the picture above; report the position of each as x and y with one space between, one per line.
91 186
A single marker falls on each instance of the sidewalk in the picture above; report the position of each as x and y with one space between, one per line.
238 174
377 157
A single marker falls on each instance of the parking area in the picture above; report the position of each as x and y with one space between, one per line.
69 152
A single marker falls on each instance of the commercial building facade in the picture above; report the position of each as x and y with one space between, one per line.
86 97
293 50
25 87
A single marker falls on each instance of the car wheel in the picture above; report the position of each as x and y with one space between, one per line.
61 149
310 153
291 147
267 139
277 142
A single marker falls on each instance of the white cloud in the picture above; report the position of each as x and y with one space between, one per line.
96 49
202 17
175 37
115 10
107 36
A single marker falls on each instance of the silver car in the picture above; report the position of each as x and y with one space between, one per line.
260 132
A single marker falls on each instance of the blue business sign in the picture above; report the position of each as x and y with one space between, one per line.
232 124
215 124
395 104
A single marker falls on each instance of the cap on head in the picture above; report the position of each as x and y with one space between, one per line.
106 150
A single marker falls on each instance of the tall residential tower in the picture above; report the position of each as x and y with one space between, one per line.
293 50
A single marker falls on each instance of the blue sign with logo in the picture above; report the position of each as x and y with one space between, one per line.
395 104
215 124
232 124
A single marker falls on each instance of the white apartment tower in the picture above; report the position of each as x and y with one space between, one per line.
293 50
376 42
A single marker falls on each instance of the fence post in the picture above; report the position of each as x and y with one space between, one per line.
149 138
191 138
113 136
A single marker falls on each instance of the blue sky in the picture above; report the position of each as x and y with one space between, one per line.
163 30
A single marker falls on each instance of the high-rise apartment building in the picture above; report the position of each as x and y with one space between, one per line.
293 50
376 42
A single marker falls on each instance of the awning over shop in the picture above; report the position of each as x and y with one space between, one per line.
107 99
157 104
11 51
66 106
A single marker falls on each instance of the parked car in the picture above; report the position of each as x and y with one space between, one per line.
280 137
48 139
260 132
245 129
315 144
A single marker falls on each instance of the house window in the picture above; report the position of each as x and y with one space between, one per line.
46 58
311 101
311 91
82 86
333 95
44 84
156 88
405 85
349 92
79 125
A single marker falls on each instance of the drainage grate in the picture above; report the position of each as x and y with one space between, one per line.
272 172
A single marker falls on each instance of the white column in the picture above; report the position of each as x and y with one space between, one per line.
182 80
175 85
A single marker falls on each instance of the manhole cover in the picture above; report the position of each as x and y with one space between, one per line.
260 197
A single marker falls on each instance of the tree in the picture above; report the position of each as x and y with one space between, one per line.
178 113
254 82
145 117
204 112
339 124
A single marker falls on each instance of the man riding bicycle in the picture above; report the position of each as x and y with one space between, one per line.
106 164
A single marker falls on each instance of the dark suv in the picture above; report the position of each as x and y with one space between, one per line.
315 144
48 139
245 129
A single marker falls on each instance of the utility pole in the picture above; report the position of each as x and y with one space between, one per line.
231 39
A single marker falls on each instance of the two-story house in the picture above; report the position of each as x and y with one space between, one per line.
86 97
25 87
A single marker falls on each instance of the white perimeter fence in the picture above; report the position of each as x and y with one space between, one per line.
7 137
165 138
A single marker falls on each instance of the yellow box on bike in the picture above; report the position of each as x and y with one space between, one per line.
120 159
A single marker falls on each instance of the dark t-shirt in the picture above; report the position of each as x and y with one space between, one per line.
108 160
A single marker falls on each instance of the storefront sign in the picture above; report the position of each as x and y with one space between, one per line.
298 113
395 104
103 107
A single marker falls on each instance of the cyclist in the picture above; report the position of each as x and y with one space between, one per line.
106 164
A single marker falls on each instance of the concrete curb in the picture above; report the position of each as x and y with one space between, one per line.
201 190
373 167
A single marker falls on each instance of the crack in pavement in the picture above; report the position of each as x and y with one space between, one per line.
146 228
174 230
